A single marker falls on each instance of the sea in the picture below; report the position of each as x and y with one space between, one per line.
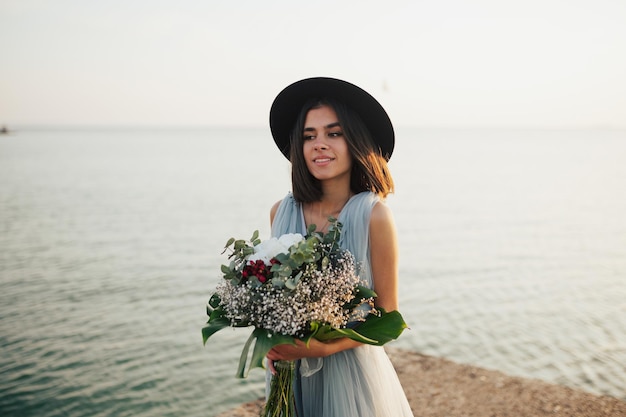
512 257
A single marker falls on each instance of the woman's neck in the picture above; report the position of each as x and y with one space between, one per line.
330 205
334 197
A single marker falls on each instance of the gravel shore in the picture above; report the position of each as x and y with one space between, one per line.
438 387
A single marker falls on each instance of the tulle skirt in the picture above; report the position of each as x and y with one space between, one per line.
359 382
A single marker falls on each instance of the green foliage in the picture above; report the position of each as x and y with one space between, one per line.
263 341
378 329
242 248
360 293
384 327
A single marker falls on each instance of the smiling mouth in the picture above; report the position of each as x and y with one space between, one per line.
322 160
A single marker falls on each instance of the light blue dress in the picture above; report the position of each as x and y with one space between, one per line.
359 382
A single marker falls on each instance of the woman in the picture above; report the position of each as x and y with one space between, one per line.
339 139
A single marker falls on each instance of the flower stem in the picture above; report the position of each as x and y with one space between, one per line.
281 400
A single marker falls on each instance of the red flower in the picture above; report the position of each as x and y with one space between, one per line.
256 268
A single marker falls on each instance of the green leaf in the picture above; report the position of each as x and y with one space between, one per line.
375 330
364 292
282 258
359 294
255 236
383 328
298 258
230 242
326 332
264 341
214 325
278 282
214 301
225 269
244 356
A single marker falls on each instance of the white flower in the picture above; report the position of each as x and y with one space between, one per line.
269 248
290 239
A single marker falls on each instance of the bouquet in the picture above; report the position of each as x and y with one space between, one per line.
292 287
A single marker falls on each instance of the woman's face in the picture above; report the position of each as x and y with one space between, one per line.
325 149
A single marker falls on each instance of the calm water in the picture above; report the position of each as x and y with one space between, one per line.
513 257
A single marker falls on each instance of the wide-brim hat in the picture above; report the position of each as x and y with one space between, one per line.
289 102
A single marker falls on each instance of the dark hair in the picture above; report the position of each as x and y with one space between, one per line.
369 167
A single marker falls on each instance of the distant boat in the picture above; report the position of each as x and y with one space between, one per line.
4 130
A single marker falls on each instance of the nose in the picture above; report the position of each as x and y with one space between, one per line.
320 144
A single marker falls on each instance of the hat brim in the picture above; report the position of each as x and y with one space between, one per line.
289 102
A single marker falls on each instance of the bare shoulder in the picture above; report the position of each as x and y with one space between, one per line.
381 216
382 225
273 210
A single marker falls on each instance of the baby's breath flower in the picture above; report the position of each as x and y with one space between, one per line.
320 294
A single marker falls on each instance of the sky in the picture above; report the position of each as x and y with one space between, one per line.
431 63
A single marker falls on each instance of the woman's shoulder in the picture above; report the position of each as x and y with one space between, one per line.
274 209
380 215
381 212
366 201
288 199
382 226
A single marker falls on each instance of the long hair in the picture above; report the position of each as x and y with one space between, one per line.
369 168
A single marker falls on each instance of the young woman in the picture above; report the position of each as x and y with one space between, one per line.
339 139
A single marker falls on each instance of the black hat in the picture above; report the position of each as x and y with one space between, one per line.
289 102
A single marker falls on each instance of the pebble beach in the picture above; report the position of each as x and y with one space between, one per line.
437 387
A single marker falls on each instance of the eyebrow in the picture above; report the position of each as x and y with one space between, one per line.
329 126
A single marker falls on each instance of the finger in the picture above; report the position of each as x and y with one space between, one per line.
270 365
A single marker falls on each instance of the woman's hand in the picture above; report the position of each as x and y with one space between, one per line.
289 352
316 349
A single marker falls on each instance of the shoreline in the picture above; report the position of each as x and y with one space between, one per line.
437 387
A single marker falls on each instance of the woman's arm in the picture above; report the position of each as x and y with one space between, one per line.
384 257
316 349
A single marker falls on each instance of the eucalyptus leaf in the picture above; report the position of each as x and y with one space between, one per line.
298 258
278 282
282 258
285 271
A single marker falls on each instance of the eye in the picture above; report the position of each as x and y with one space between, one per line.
308 137
335 134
